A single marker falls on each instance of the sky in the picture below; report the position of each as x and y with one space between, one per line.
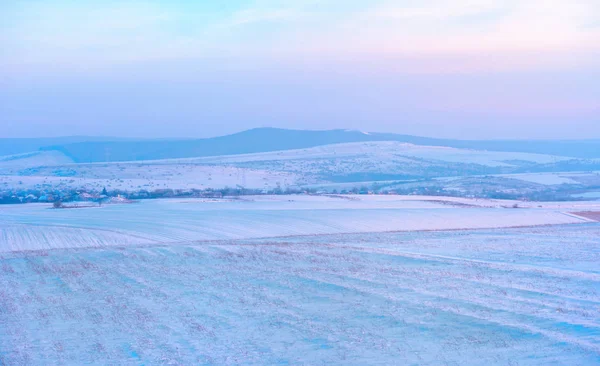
471 69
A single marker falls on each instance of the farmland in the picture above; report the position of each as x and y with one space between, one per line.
36 226
500 296
301 280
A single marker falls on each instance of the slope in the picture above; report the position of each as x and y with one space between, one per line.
273 139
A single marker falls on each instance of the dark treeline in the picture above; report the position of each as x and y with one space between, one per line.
71 195
19 196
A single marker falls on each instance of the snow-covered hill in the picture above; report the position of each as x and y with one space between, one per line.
101 150
383 150
32 160
336 163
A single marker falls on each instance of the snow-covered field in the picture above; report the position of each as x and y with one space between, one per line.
36 226
556 178
528 296
543 178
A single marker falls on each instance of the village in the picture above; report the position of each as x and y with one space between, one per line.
67 195
16 196
63 195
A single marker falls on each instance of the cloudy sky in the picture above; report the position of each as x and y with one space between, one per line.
174 68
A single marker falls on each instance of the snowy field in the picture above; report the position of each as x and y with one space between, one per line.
527 296
556 178
37 226
276 280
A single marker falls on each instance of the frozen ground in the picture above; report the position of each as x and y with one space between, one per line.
528 296
36 226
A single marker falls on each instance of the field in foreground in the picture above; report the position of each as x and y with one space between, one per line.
36 226
500 296
301 280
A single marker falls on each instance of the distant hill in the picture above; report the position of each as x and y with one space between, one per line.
33 159
14 146
90 150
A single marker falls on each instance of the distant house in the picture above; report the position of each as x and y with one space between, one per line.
216 194
86 196
30 198
118 199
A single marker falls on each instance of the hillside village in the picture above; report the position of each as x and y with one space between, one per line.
468 187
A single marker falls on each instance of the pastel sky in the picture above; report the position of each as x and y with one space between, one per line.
175 68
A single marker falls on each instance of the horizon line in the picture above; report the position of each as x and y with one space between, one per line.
113 138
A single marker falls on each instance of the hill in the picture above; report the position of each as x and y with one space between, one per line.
92 150
14 146
327 167
33 159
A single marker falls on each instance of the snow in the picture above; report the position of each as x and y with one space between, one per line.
36 227
505 296
33 159
381 160
136 176
381 150
544 178
592 195
15 237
